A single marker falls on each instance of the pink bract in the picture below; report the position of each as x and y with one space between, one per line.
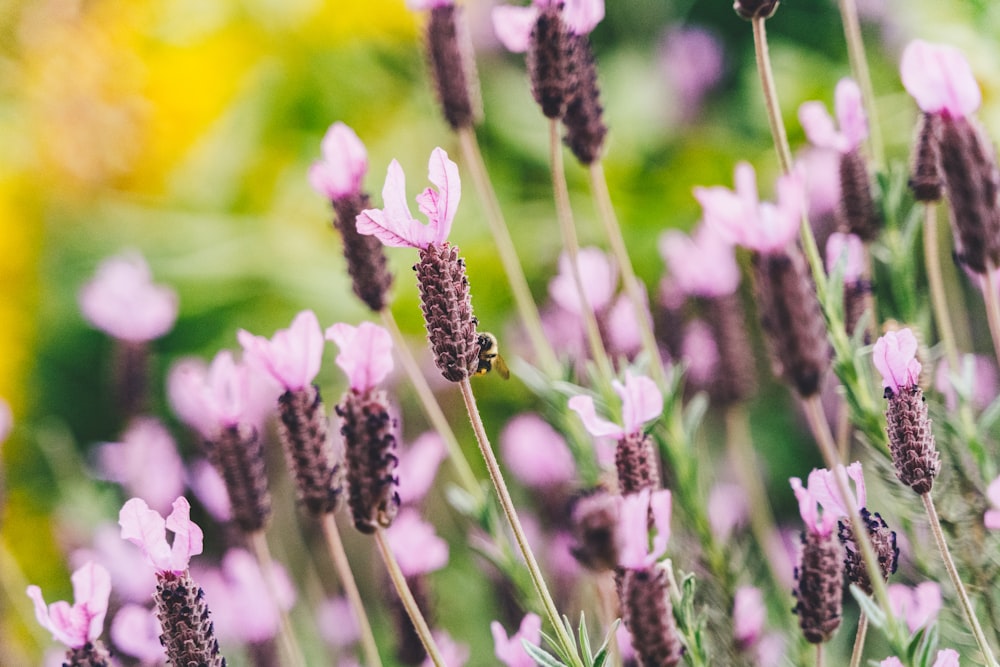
146 463
641 402
819 126
816 523
635 551
702 264
992 517
418 464
146 529
365 353
292 356
895 357
848 249
513 24
135 631
749 615
823 487
122 301
343 166
599 276
918 606
6 421
536 453
395 226
417 547
939 79
509 650
82 622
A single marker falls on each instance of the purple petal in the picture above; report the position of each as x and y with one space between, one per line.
513 26
702 264
641 401
850 113
894 355
939 79
443 173
819 127
365 353
584 407
582 16
91 589
187 535
849 249
146 529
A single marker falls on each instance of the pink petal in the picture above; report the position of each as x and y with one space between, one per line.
725 212
135 631
122 300
292 356
365 353
599 277
513 26
807 496
511 651
582 16
991 520
939 79
745 180
848 249
418 465
660 504
633 530
91 589
584 407
185 390
418 5
345 162
749 616
393 225
894 355
417 547
535 452
41 610
702 264
850 113
946 658
443 173
187 535
819 128
146 529
993 492
891 661
641 401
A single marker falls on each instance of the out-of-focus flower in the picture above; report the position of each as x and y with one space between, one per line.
749 615
135 631
343 166
365 353
210 489
850 111
820 524
821 174
452 652
848 249
513 24
692 61
727 509
945 658
130 578
823 487
82 622
418 465
992 517
417 547
977 377
146 529
509 650
536 453
918 606
599 275
939 79
703 264
700 353
146 463
635 552
395 226
123 302
895 357
641 402
337 623
292 356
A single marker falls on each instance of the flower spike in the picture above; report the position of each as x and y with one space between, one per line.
895 355
293 355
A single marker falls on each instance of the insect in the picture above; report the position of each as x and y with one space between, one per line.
489 357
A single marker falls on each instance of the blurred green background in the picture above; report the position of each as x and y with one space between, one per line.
184 129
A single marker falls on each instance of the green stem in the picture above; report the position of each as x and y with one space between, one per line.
403 589
340 562
771 95
526 307
568 230
286 637
859 67
991 295
633 287
949 565
507 504
859 641
433 411
939 301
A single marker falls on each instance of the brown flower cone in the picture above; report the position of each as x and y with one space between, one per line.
447 308
911 441
925 173
583 120
409 647
857 208
131 367
370 448
750 9
883 542
594 521
735 378
819 587
649 617
855 303
365 255
452 66
238 456
791 318
668 321
188 635
550 63
972 181
304 432
637 463
91 654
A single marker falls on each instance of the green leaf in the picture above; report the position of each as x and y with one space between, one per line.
584 639
541 656
870 608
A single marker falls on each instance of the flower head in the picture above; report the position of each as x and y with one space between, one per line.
82 622
365 353
417 547
919 606
823 487
419 464
513 24
635 552
340 172
895 357
939 79
641 402
395 226
819 127
536 453
849 249
599 280
123 302
135 631
702 264
510 651
739 217
146 529
821 525
749 614
145 462
292 356
992 517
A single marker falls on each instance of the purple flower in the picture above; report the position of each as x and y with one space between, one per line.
337 623
749 615
599 278
417 547
130 578
146 529
418 465
510 650
945 658
343 166
452 653
395 226
702 264
819 525
849 249
821 170
918 606
292 356
992 517
692 60
641 402
727 509
82 622
513 24
536 453
135 631
635 552
819 126
939 79
145 463
365 353
895 357
210 489
739 217
123 302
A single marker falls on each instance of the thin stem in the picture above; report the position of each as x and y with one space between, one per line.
568 230
508 254
843 431
416 617
991 294
286 637
433 411
949 565
859 67
507 505
633 287
819 655
859 641
739 444
771 95
939 301
336 547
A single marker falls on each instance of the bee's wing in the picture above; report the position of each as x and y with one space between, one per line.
501 367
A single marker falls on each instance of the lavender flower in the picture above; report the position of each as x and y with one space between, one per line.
819 576
918 606
79 625
509 650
